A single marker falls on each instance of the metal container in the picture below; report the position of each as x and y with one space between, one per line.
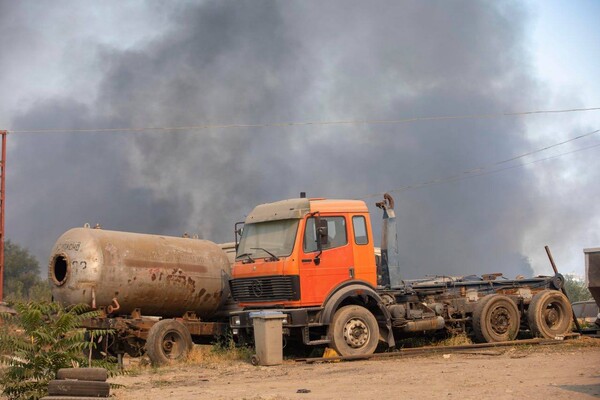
159 275
592 272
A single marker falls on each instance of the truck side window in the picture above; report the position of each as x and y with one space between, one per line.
336 227
360 230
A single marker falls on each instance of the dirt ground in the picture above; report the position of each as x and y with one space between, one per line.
566 371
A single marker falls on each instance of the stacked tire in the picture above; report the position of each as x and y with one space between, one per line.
78 384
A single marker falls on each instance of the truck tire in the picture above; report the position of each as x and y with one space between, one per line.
549 314
168 340
496 319
78 388
83 374
354 331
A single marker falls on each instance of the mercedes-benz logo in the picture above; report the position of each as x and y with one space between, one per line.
257 288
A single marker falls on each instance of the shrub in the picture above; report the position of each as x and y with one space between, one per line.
34 344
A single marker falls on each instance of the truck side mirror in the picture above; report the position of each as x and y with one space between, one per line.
322 232
238 230
322 237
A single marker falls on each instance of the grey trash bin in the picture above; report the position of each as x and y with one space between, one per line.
268 337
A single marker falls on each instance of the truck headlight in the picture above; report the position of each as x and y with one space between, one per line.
235 320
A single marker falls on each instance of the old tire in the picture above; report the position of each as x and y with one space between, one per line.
168 340
495 319
83 374
69 398
354 331
549 314
78 388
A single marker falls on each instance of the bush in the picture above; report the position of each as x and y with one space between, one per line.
576 289
42 338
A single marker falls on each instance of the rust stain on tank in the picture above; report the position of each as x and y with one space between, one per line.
175 279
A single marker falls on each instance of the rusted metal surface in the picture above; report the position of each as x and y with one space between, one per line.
438 349
131 329
592 270
562 288
121 272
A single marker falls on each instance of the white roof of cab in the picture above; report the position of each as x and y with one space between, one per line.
285 209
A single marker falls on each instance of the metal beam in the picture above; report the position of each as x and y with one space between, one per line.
3 135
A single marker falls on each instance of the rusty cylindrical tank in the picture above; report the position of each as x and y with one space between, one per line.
161 275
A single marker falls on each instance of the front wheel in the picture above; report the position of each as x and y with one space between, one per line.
496 319
549 314
354 331
168 340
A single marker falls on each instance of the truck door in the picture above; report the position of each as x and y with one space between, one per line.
318 276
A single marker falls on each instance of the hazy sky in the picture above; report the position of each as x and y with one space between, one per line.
83 65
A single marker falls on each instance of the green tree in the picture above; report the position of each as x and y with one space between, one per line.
21 275
576 289
42 338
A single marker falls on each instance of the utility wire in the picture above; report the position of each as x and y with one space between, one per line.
288 124
487 169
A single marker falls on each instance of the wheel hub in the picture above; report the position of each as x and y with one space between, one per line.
356 333
167 346
500 320
171 345
551 316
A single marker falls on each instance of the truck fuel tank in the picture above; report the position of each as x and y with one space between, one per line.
161 275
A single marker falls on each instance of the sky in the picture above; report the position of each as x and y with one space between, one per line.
100 65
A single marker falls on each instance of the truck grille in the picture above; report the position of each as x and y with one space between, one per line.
266 288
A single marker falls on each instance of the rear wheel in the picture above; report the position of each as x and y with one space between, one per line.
168 340
354 331
495 319
549 314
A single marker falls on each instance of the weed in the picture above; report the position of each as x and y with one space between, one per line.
42 338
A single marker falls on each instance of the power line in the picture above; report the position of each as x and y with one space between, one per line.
487 169
309 123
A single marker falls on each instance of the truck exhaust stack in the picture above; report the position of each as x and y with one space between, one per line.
389 270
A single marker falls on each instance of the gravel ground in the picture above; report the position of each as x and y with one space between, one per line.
566 371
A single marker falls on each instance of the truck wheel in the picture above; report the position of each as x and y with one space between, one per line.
354 331
495 319
168 340
549 314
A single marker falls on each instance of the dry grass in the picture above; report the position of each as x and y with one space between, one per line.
455 340
429 341
584 341
206 356
218 353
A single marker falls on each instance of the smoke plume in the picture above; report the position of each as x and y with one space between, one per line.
261 62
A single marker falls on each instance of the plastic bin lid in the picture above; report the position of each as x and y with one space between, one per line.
267 314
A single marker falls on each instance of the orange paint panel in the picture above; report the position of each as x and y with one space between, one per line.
337 265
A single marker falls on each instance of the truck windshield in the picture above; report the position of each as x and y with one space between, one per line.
277 237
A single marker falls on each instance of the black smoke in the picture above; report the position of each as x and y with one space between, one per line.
259 62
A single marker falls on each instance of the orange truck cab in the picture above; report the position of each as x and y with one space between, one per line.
306 258
313 260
